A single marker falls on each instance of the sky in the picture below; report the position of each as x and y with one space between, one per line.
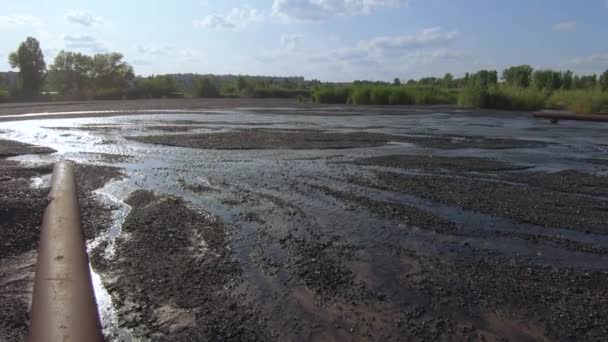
329 40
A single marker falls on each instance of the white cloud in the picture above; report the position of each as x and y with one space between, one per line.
83 18
597 59
84 43
15 21
315 10
418 53
565 26
154 50
397 44
291 41
238 17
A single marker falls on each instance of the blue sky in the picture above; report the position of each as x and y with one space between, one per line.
331 40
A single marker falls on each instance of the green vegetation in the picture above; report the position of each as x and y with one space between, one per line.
580 101
30 61
101 77
382 94
510 98
206 88
75 76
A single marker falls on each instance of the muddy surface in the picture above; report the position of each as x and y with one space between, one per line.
269 139
343 223
9 148
438 163
174 273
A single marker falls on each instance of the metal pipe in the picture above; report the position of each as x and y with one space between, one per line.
556 116
63 304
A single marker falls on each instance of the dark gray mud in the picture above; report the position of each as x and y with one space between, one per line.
520 203
10 148
457 141
441 226
269 139
438 163
178 260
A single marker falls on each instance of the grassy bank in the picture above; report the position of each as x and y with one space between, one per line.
492 97
383 95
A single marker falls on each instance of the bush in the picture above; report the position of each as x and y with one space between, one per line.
509 98
475 97
278 92
330 94
109 94
4 96
400 96
579 101
206 88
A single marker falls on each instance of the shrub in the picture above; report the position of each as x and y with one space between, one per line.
400 96
109 94
473 97
205 88
579 101
4 96
331 94
278 92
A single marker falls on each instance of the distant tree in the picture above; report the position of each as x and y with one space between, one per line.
206 88
587 82
547 80
241 83
71 73
411 82
448 80
493 77
604 81
157 86
30 61
567 80
111 72
467 79
396 81
518 76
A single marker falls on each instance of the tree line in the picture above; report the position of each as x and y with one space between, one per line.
75 76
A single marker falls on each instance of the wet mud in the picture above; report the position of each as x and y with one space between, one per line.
421 227
269 139
10 148
173 275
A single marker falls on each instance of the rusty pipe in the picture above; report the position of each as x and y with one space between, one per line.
63 303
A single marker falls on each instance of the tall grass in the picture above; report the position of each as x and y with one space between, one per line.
383 95
579 101
510 98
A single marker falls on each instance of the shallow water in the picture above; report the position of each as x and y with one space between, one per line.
274 184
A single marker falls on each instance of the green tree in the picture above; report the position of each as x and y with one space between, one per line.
30 61
484 78
548 80
241 83
587 82
518 76
206 88
567 80
604 81
111 72
396 81
71 73
448 80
